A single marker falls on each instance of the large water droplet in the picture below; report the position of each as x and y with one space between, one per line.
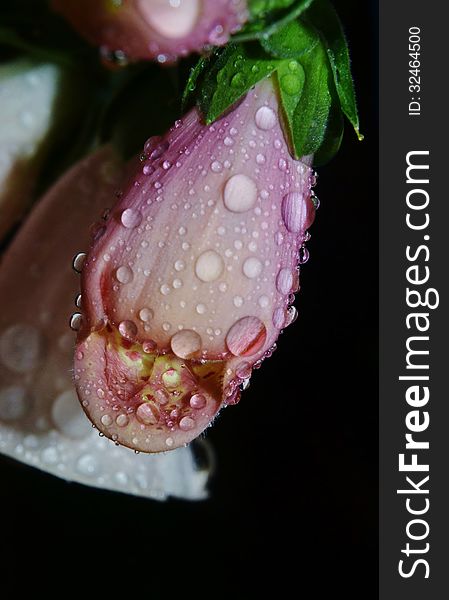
186 343
209 266
198 401
78 262
240 193
294 211
284 281
186 424
147 414
106 420
279 318
131 218
124 274
246 337
291 84
252 267
128 329
265 118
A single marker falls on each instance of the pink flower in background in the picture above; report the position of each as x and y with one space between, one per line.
148 29
188 286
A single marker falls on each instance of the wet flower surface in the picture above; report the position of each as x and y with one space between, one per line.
41 421
149 29
190 283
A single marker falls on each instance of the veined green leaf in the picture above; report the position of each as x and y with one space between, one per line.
323 15
236 70
292 41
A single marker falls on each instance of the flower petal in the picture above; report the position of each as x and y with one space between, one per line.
41 421
190 284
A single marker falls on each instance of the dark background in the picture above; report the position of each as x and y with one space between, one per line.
293 503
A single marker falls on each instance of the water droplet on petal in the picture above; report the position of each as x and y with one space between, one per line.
197 401
279 318
263 301
240 193
186 424
106 420
292 315
131 218
303 255
246 337
122 420
209 266
147 414
216 167
265 118
124 274
294 211
252 267
128 329
186 343
284 281
145 314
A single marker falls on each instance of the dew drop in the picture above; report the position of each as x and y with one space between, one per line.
243 370
169 442
122 420
216 167
147 414
240 193
185 343
209 266
128 329
179 265
265 118
171 378
279 318
291 84
106 420
252 267
246 337
131 218
149 346
303 255
186 424
294 212
284 281
197 401
164 289
201 309
292 315
260 159
145 314
76 321
78 262
238 301
124 274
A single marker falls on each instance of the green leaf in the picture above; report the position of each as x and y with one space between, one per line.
324 17
292 41
270 22
333 135
260 8
237 69
291 78
312 111
192 81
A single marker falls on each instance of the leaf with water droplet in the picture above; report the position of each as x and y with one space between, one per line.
291 41
224 84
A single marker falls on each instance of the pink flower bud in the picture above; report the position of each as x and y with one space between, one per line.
191 282
41 420
147 29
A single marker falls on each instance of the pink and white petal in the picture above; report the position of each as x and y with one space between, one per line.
197 264
41 421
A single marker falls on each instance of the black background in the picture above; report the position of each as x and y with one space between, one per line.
293 504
